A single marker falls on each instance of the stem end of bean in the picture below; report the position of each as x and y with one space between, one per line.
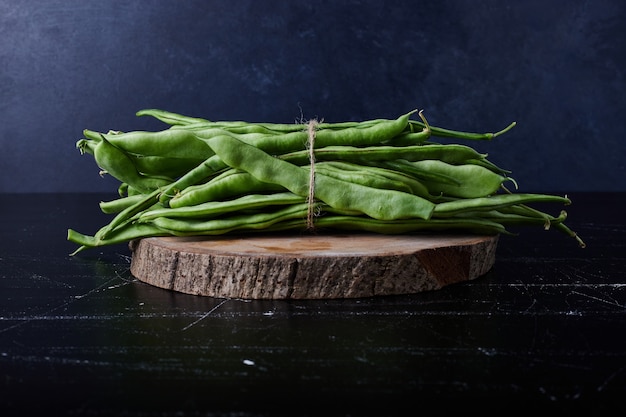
503 131
80 249
426 125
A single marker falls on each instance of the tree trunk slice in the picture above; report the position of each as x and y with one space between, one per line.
310 267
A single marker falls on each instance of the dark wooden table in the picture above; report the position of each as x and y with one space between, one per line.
544 330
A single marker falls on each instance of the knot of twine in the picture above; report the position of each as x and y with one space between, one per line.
310 216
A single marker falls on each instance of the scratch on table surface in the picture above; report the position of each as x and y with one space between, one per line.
126 258
125 281
532 304
205 315
488 351
64 304
585 272
551 396
612 302
560 284
608 379
43 278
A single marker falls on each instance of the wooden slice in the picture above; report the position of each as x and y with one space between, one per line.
310 267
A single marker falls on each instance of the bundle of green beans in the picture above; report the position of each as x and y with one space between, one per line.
391 176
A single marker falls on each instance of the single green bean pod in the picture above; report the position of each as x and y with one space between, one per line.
115 162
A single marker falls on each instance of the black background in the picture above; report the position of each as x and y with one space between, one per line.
555 67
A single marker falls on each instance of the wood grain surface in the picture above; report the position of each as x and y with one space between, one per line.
310 267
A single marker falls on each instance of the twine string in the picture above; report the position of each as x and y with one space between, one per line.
310 217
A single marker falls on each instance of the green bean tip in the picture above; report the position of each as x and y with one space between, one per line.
503 131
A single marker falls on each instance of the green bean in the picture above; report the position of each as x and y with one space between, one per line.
126 215
118 229
166 143
526 211
86 146
205 129
414 186
475 180
132 191
447 133
231 183
410 139
172 167
518 215
483 162
120 235
122 189
220 226
115 162
400 226
245 133
422 175
452 154
207 169
116 206
90 135
277 128
352 136
216 208
451 208
569 232
164 154
508 215
380 204
170 118
467 180
358 175
559 225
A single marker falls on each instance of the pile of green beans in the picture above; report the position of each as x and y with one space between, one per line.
390 176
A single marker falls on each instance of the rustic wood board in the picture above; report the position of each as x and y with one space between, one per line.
312 266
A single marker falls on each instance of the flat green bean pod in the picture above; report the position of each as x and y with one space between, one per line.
119 235
471 180
369 178
166 143
393 227
173 119
223 225
116 162
231 183
450 153
414 125
451 208
212 209
411 184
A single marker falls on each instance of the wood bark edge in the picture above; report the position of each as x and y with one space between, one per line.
177 266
